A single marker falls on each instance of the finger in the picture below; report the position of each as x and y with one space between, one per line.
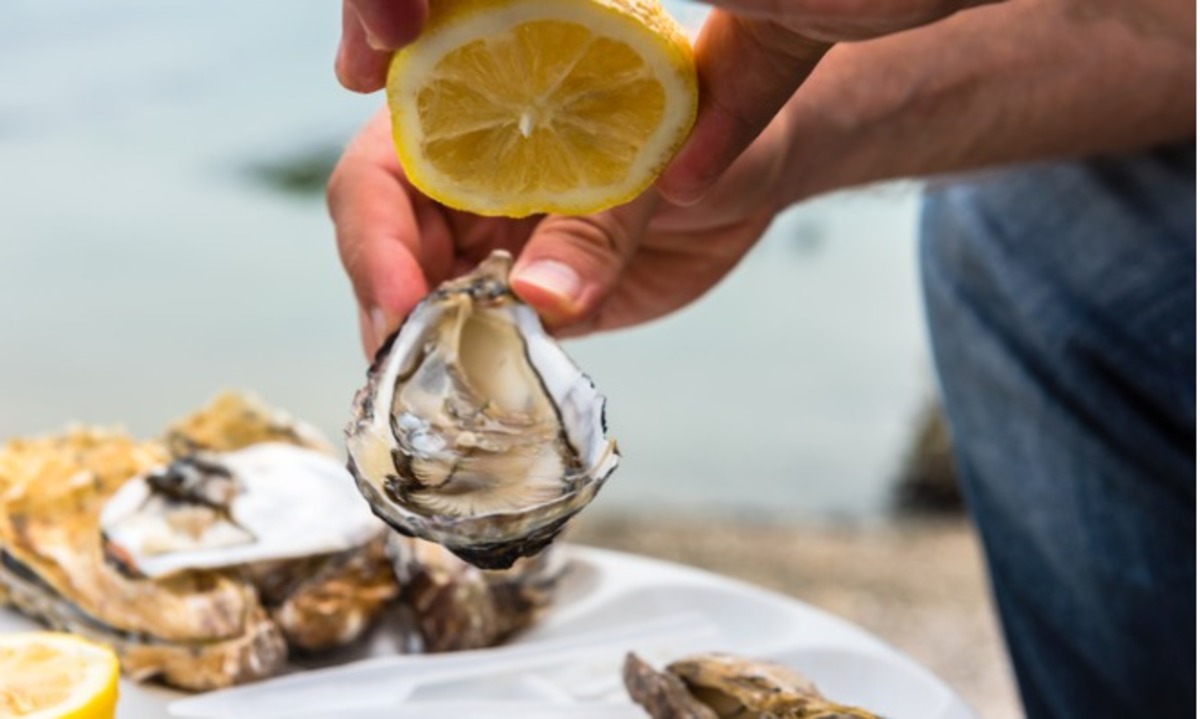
391 24
571 264
358 66
748 68
377 231
840 20
753 183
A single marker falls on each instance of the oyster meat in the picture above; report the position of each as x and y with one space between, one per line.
210 625
724 686
475 430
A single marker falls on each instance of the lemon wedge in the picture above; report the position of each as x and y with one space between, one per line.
518 107
49 675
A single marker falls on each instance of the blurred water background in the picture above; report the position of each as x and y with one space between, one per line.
145 264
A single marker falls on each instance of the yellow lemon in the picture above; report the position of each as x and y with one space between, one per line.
48 675
517 107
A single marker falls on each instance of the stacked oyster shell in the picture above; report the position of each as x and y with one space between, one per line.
206 557
454 605
475 430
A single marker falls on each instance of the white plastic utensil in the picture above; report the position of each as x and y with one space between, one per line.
386 682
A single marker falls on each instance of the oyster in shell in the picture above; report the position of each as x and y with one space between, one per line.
475 430
197 630
329 597
455 605
724 686
265 502
198 627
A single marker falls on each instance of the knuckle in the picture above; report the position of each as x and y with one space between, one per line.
604 235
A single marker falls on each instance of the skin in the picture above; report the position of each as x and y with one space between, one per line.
824 94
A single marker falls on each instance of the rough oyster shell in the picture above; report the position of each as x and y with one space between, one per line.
321 601
233 420
475 430
332 601
724 686
196 629
455 605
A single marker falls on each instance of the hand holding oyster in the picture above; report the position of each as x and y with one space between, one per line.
475 430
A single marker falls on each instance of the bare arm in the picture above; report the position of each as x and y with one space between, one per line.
1023 80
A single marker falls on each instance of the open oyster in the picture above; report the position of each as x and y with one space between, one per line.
475 430
266 502
199 630
217 623
724 686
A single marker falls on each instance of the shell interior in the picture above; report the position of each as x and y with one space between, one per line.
476 430
263 503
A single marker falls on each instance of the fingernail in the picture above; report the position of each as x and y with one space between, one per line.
339 58
379 323
375 43
553 277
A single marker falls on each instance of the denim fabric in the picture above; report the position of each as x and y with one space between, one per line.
1061 300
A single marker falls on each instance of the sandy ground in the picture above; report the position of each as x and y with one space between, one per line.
919 584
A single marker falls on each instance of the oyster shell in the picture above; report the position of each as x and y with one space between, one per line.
195 628
331 601
265 502
724 686
455 605
325 599
233 420
197 631
475 430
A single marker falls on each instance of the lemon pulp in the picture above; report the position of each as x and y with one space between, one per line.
46 675
515 107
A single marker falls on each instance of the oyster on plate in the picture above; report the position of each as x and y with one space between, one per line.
266 502
475 430
454 605
196 623
724 686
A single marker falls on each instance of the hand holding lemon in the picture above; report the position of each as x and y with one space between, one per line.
521 107
560 114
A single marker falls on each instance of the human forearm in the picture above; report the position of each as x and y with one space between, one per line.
1025 80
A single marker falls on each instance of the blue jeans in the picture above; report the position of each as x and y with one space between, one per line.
1061 301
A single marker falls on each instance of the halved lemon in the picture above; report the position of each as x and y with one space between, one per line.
517 107
51 675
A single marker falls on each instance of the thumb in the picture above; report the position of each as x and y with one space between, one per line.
570 265
748 69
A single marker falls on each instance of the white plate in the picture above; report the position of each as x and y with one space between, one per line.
569 664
